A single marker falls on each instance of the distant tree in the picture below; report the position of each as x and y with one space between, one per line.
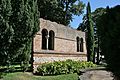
109 31
83 26
96 15
60 11
90 34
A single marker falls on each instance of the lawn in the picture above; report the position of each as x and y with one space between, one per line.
30 76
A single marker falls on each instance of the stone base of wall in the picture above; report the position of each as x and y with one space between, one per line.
43 57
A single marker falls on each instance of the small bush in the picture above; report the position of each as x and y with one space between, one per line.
24 65
2 74
63 67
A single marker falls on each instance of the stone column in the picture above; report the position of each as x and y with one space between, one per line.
84 47
47 37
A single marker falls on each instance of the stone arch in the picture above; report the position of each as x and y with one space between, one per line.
44 38
51 40
53 27
81 44
78 44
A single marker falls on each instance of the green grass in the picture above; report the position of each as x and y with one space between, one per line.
29 76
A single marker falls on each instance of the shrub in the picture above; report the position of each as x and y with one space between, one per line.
63 67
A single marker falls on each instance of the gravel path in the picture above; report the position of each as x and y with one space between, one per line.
95 74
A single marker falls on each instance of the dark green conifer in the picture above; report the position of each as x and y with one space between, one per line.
90 35
19 21
6 31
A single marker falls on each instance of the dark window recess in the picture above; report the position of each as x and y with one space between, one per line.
44 39
78 42
51 40
81 44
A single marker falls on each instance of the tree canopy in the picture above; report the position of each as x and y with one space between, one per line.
94 15
60 11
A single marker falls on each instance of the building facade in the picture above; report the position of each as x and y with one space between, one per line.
55 42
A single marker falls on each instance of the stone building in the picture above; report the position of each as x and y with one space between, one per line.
55 42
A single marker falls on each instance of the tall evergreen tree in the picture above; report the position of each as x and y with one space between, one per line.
96 15
6 31
82 26
109 34
19 21
90 35
25 23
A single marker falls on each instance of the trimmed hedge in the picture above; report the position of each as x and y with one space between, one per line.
63 67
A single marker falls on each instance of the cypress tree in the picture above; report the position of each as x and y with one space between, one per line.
6 31
26 24
19 21
27 49
90 35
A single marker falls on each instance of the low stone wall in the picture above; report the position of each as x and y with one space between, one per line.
43 57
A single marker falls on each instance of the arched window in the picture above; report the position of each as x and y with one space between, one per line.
44 38
78 44
81 44
51 40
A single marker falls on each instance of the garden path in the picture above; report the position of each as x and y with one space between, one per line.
96 74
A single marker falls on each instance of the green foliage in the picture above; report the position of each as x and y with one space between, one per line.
88 27
97 13
6 31
90 35
83 26
18 25
60 11
2 74
30 76
63 67
24 65
109 31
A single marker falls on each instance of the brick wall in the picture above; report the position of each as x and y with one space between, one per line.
65 45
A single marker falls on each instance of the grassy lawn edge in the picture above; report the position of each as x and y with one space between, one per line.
30 76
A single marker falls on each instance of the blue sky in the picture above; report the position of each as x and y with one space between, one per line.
94 4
